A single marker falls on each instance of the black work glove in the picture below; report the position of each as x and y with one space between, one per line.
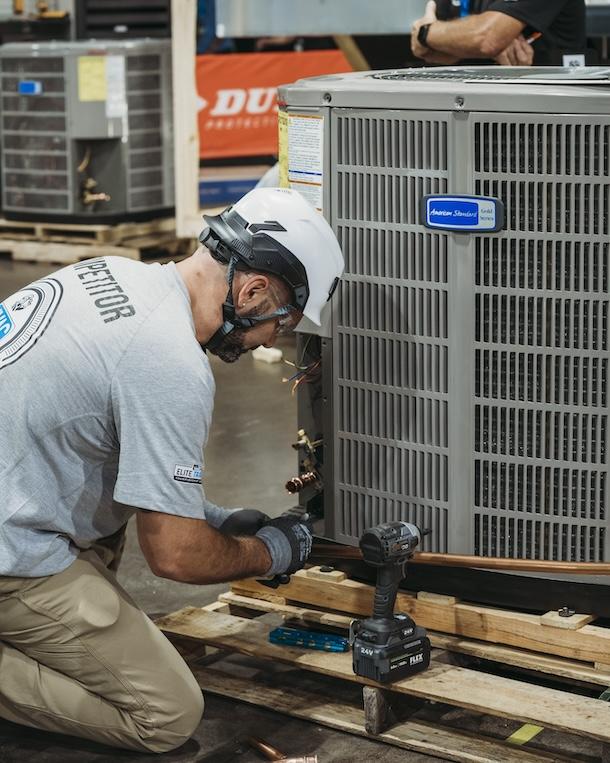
243 522
288 540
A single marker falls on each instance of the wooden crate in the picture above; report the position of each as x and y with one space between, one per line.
474 691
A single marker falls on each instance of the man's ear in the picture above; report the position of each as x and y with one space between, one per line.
254 287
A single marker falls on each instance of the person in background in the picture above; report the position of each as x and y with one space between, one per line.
509 32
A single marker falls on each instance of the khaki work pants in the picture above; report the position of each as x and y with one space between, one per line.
78 657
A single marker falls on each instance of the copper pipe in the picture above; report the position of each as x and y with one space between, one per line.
296 484
271 753
324 552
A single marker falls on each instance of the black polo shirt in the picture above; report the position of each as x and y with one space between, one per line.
561 22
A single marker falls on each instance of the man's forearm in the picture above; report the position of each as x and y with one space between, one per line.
191 551
477 36
227 559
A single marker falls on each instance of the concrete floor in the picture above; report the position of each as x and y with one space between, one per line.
247 462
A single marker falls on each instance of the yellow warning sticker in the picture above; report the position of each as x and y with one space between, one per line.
282 124
92 78
524 734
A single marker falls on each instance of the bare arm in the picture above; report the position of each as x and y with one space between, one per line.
484 35
191 551
518 53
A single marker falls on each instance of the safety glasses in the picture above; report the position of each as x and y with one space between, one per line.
287 323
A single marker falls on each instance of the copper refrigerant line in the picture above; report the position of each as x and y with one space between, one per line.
296 484
272 753
310 464
327 552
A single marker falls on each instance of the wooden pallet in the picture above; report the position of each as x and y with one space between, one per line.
84 233
138 248
477 690
66 243
572 637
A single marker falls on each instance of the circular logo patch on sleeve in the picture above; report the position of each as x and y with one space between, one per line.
25 316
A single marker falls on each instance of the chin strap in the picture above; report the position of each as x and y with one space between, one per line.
232 321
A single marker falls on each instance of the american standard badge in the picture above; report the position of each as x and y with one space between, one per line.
463 214
25 316
185 473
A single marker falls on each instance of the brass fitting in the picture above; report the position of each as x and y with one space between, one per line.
296 484
88 196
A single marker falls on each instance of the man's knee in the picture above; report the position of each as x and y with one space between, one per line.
177 717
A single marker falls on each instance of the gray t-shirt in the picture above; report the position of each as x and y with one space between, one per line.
105 394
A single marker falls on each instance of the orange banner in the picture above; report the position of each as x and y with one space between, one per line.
238 98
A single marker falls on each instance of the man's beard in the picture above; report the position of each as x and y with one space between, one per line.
231 347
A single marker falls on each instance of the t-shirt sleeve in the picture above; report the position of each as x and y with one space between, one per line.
445 11
537 14
162 409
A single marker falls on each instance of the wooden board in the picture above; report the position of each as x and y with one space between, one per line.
558 667
418 736
453 685
572 623
185 128
85 232
62 254
590 643
135 248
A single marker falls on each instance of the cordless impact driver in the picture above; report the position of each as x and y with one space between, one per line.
388 646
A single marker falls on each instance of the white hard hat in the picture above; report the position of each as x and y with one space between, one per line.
275 230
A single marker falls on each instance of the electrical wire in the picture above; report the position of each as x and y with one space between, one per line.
85 161
304 374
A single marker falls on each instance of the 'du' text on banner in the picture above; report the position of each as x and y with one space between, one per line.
238 97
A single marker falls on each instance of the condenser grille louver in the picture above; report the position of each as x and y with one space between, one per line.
541 345
35 154
103 19
145 174
427 74
391 332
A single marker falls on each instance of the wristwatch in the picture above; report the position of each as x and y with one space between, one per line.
422 35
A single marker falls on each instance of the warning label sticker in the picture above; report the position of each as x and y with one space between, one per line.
305 156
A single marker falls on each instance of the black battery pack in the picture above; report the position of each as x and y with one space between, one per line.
390 649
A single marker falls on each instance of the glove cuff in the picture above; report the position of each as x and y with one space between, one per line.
216 515
279 549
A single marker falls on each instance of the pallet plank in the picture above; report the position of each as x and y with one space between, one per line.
590 643
534 661
63 254
418 736
465 688
85 232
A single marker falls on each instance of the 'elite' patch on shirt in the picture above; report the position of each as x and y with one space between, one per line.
188 473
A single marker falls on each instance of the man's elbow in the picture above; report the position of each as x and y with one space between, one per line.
163 567
171 568
490 45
